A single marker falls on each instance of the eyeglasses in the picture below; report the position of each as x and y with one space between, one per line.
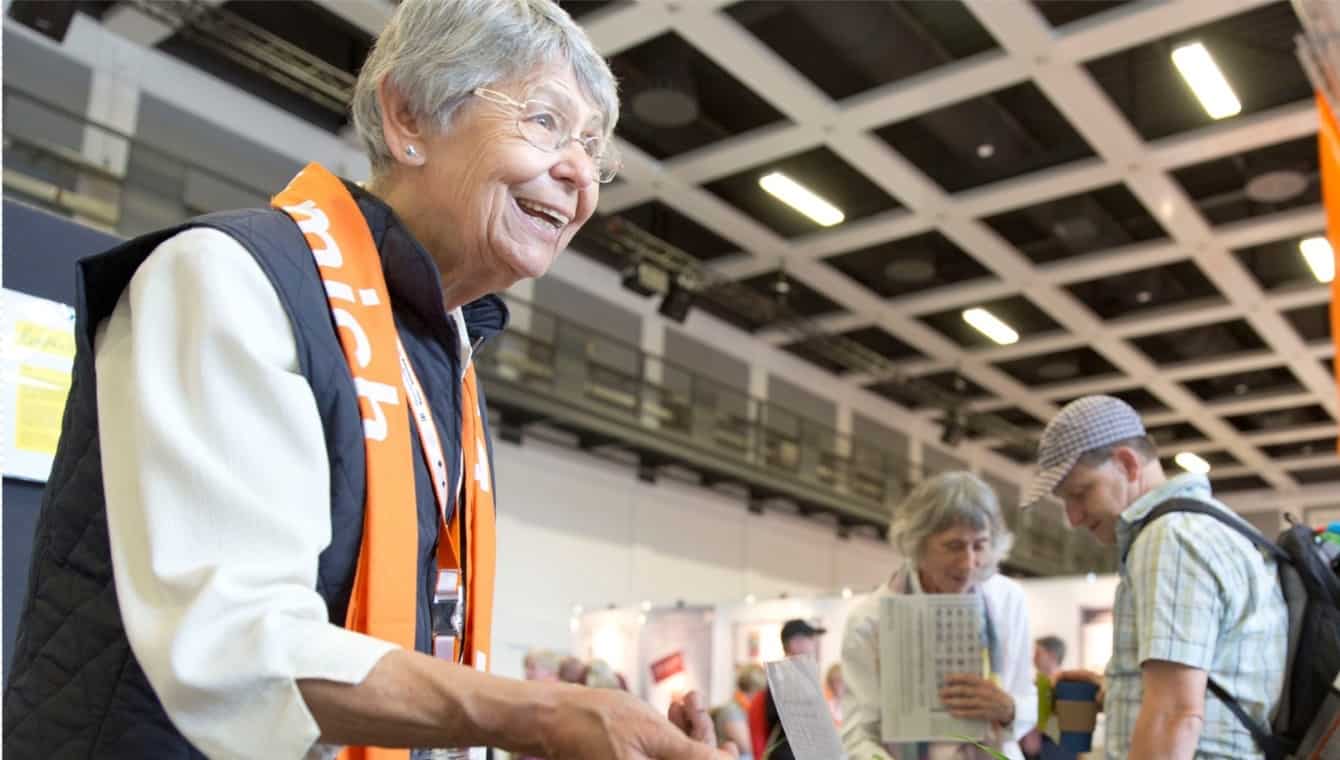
548 128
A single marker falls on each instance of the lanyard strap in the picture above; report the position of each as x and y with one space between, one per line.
463 537
429 440
453 531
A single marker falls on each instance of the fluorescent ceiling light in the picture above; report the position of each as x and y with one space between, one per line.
800 198
1192 463
1199 70
1319 257
990 326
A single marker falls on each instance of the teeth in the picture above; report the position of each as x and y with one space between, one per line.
555 218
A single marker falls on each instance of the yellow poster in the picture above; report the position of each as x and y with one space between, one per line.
44 339
37 347
40 404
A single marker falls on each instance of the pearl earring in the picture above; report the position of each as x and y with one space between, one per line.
411 151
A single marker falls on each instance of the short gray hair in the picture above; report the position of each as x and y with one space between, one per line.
942 502
1054 645
599 675
544 659
751 679
436 52
1142 445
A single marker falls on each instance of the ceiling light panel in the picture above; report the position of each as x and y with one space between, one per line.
991 326
801 198
1203 76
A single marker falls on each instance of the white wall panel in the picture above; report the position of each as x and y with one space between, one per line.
577 530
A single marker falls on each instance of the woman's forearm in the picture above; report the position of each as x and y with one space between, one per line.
413 700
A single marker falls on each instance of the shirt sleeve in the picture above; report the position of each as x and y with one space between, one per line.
1017 670
217 492
860 675
1178 600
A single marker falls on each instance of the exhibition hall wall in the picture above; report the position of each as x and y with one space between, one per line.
574 530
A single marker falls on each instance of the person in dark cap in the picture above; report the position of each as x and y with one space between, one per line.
1196 600
800 638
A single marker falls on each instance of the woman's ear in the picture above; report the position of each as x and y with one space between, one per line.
403 133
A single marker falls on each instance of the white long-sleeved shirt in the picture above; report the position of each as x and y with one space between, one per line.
861 705
218 501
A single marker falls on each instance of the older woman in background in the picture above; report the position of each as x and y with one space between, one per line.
238 551
572 670
950 530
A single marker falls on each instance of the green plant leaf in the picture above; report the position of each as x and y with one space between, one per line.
992 752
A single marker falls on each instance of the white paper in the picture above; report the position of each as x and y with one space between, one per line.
796 690
922 639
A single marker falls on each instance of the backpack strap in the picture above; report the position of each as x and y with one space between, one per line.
1201 508
1274 747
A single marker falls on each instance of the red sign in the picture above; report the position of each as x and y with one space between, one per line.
671 665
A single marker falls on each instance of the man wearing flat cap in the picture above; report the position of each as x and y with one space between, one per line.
1197 601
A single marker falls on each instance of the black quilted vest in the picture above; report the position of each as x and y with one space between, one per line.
75 689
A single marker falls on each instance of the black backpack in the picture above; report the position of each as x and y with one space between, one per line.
1312 593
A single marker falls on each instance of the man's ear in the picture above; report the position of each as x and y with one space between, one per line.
1129 462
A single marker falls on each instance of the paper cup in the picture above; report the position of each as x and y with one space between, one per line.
1076 713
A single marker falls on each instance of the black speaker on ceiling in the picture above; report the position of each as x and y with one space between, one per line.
645 278
677 302
50 17
953 425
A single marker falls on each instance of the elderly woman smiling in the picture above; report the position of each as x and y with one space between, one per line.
270 529
951 531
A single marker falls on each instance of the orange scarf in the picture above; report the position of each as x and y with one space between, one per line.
384 598
742 700
480 530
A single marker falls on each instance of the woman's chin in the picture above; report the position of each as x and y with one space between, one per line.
539 265
531 265
950 586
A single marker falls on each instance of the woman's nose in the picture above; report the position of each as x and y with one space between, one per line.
575 165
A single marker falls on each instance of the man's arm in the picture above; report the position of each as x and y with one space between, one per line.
1179 601
1172 711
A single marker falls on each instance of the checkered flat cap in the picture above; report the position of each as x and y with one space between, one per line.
1084 425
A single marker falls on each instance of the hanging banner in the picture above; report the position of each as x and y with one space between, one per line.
1328 148
36 357
667 667
675 647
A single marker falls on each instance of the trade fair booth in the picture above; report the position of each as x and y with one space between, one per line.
664 650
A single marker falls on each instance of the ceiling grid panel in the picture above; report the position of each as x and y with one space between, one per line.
1022 31
1122 170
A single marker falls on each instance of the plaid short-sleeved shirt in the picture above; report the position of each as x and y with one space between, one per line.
1194 592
